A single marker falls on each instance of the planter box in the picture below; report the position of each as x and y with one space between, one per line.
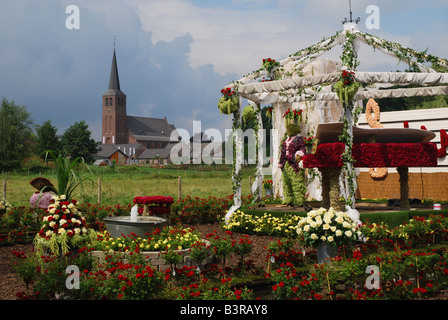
154 258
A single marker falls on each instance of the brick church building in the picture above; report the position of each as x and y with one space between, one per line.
131 139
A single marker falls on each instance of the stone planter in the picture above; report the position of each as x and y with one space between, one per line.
119 226
325 252
154 258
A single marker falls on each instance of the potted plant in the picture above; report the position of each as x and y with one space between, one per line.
327 230
267 186
229 102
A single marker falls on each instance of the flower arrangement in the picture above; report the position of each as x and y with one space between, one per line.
269 64
293 115
346 87
155 205
4 207
293 119
229 102
64 228
327 226
267 184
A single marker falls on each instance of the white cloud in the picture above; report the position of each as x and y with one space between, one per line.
235 40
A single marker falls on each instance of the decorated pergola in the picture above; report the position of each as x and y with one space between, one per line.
286 84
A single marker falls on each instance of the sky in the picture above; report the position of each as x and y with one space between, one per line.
174 56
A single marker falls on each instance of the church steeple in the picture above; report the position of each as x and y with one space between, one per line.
114 109
114 79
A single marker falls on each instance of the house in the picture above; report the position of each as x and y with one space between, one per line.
107 154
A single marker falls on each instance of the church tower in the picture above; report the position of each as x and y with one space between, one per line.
114 129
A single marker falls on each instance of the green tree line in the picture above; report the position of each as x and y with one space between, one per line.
21 138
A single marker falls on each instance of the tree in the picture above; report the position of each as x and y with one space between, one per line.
76 141
16 131
46 139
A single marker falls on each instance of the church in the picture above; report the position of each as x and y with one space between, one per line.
131 139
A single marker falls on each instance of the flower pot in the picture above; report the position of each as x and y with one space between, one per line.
325 252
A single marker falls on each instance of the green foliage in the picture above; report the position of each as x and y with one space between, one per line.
46 139
67 173
77 142
16 132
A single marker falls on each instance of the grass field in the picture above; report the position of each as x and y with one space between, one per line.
122 184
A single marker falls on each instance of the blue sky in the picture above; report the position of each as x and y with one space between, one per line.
174 56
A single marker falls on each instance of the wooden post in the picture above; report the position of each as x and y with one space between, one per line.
4 188
250 184
99 190
180 187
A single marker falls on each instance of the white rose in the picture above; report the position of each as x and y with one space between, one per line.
333 229
56 216
339 219
306 228
52 223
62 221
338 233
48 233
77 230
323 238
330 239
71 205
313 224
314 236
61 230
326 226
345 224
62 197
348 233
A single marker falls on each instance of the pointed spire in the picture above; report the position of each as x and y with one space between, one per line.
114 80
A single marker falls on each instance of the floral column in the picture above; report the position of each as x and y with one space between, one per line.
346 89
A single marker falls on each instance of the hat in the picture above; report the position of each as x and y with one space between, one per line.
40 183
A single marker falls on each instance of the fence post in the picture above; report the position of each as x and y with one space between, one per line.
99 190
250 184
180 187
4 188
